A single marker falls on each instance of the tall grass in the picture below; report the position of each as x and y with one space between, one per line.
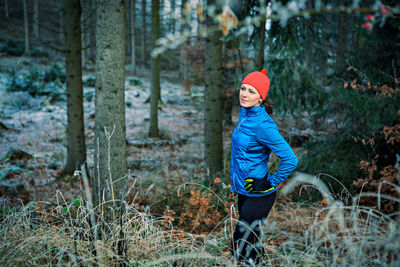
61 235
64 233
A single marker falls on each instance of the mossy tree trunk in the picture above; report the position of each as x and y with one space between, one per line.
110 174
76 153
213 151
155 71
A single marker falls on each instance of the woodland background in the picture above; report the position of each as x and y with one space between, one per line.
116 118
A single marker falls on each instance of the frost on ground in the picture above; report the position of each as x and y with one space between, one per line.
38 127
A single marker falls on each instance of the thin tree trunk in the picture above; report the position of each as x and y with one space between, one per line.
172 17
183 66
236 45
26 27
36 19
155 71
144 52
213 151
161 11
6 8
61 36
76 154
259 62
133 34
110 128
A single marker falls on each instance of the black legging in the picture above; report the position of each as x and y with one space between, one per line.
253 211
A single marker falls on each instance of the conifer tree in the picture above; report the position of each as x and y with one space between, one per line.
76 153
110 171
213 150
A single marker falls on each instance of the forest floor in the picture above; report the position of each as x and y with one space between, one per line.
166 176
37 127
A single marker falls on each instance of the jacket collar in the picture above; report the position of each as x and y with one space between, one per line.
251 110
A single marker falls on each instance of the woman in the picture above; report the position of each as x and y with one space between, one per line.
255 137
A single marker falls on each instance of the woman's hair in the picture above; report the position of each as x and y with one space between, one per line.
269 107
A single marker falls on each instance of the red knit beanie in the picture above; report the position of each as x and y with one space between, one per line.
259 80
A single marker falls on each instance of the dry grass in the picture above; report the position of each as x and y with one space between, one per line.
36 236
64 234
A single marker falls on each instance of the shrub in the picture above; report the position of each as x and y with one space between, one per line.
21 101
13 47
38 82
368 140
39 52
55 72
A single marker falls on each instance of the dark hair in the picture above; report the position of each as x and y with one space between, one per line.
269 107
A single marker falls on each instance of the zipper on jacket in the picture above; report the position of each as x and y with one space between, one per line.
242 122
234 183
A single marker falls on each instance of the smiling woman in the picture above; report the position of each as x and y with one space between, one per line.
253 140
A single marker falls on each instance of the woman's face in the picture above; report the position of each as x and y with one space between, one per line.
249 96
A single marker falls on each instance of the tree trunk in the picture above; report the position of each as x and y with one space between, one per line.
259 62
213 152
85 13
133 34
172 17
155 71
144 52
61 36
110 128
36 19
26 27
161 11
6 8
91 51
76 153
183 64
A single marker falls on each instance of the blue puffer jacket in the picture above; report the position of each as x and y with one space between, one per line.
255 136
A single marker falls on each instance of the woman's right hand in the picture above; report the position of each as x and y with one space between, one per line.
258 185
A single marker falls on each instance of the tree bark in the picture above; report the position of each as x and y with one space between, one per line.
183 64
155 71
91 51
172 17
110 175
133 34
259 62
213 151
76 153
144 52
26 27
61 36
36 19
6 8
85 13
